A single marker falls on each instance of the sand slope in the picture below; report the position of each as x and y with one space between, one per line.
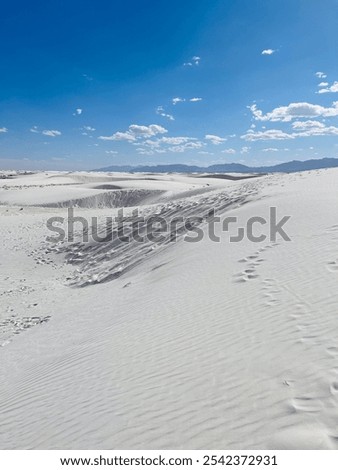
191 345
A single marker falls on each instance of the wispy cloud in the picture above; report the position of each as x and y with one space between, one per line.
89 128
34 129
195 60
203 152
135 132
77 112
3 130
270 149
215 139
161 112
182 100
320 75
229 151
51 133
268 51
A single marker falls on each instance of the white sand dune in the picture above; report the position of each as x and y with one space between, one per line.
170 345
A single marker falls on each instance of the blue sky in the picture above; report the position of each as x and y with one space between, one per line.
88 84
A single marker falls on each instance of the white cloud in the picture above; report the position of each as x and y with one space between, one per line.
268 51
51 133
273 134
112 152
89 128
142 151
182 100
313 128
195 60
78 111
47 132
160 111
176 140
135 132
300 129
314 131
293 111
150 143
215 139
323 84
320 75
119 136
229 151
187 146
3 129
245 150
168 144
177 144
328 89
177 100
303 125
270 149
146 131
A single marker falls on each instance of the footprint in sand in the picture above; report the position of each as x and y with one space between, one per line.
245 276
334 388
333 351
270 292
306 404
299 311
252 261
332 229
332 266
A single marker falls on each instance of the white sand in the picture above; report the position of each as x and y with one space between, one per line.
189 345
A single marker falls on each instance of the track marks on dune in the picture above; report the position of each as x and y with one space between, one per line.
16 325
112 256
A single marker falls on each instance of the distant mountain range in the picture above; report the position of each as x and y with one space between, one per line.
288 167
